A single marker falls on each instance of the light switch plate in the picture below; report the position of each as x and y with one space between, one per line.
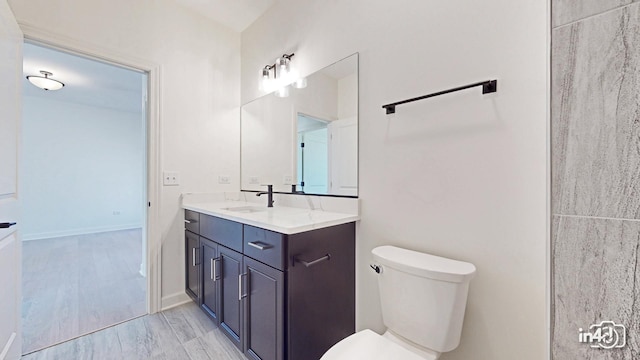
170 178
224 179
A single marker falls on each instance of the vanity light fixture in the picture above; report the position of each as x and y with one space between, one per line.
300 83
284 64
45 82
282 92
265 82
283 76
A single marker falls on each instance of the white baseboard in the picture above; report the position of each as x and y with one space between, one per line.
173 300
83 231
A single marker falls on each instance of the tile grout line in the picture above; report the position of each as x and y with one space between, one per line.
594 15
595 217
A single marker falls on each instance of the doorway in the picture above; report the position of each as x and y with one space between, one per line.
327 155
84 197
313 154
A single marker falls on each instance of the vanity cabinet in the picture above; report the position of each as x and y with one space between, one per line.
263 311
210 278
231 310
192 256
276 296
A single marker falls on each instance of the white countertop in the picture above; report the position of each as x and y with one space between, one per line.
282 219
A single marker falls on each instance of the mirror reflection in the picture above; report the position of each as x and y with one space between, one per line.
306 142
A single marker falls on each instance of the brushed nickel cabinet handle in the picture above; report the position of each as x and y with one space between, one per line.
240 294
314 262
193 256
256 244
214 269
190 221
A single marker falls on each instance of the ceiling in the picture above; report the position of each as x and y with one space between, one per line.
236 14
88 82
95 83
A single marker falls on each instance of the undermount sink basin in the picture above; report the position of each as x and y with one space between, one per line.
246 209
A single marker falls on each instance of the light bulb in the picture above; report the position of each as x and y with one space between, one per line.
265 84
300 83
293 77
283 67
282 92
265 81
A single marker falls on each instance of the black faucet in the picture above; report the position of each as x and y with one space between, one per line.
269 193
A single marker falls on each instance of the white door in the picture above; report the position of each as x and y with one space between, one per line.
315 154
10 247
344 157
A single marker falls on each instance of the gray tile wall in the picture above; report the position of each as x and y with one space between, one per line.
567 11
595 130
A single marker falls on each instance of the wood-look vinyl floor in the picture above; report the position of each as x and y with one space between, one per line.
76 285
181 333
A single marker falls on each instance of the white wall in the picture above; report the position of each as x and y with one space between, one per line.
199 90
80 165
348 96
462 176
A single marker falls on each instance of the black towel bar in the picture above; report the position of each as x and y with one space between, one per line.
489 86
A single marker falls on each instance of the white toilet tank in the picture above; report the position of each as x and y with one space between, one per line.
423 296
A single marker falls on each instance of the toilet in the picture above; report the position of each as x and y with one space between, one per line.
423 298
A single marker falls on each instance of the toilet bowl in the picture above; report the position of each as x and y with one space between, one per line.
423 298
369 345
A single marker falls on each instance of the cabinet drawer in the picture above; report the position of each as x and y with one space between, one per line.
225 232
265 246
192 221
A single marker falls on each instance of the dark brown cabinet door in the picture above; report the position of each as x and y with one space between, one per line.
320 296
210 278
192 249
230 310
264 311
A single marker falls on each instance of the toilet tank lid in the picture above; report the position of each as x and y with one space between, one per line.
425 265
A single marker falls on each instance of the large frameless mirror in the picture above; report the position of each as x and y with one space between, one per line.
305 143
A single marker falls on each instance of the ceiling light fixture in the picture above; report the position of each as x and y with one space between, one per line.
283 76
45 82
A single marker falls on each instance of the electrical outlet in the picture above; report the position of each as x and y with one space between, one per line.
224 179
287 180
253 180
171 178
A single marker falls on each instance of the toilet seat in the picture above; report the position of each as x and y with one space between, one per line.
366 344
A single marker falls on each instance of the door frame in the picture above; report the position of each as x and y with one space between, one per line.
36 35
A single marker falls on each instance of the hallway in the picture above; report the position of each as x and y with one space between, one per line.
75 285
